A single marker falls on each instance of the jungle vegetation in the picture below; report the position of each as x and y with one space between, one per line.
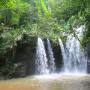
46 18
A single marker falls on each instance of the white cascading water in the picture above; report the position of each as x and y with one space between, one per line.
74 58
51 57
41 58
64 57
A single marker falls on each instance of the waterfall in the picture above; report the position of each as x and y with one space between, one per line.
74 58
51 57
63 53
41 58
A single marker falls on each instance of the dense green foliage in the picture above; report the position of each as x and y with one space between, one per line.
45 18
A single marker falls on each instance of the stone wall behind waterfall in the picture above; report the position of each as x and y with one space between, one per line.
25 54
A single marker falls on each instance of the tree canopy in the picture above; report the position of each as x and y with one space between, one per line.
45 18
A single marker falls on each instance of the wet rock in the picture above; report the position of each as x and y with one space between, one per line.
25 54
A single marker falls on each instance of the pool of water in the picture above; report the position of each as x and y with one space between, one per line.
48 82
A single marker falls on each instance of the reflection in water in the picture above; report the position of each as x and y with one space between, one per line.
59 83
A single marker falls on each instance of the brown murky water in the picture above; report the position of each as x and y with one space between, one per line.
47 83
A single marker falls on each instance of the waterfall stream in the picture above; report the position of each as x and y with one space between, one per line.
74 58
41 58
64 57
51 57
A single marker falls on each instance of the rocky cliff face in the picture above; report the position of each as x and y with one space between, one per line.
25 55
